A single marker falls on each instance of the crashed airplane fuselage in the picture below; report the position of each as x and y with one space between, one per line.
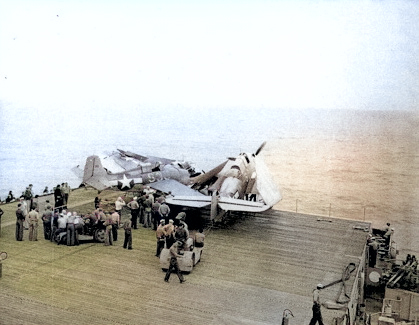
98 177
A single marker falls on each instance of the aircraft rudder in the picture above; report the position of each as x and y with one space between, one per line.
93 167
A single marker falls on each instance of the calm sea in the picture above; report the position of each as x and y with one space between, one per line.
350 164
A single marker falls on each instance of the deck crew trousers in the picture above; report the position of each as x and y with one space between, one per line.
19 229
128 239
70 234
317 315
174 267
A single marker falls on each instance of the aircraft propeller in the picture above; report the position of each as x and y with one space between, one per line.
260 148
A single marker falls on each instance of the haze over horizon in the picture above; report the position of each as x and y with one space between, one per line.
105 55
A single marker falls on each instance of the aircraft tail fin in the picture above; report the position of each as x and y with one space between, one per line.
94 173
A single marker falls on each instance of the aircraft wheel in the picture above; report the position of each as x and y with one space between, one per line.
100 235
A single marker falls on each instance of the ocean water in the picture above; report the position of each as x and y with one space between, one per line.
42 148
344 163
357 165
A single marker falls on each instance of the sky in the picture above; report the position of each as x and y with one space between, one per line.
125 54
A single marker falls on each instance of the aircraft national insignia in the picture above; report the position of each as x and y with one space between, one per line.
125 183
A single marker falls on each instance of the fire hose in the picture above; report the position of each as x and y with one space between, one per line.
346 275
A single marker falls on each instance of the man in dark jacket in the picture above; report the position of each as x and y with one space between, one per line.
135 211
46 219
58 197
20 217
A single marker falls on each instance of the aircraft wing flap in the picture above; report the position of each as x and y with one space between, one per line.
190 201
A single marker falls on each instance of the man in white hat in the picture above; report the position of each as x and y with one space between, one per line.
317 315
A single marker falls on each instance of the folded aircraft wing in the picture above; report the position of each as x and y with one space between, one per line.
132 155
190 201
265 184
175 187
150 159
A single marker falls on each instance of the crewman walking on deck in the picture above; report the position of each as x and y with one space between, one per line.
317 315
174 266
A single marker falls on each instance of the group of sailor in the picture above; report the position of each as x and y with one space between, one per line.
61 195
146 209
54 223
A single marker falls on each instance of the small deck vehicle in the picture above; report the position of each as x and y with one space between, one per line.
90 228
191 256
